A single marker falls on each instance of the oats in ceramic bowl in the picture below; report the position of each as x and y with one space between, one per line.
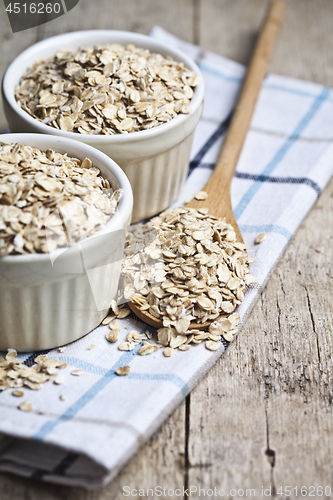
62 239
109 89
49 200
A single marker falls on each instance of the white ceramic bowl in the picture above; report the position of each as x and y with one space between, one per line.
155 161
47 300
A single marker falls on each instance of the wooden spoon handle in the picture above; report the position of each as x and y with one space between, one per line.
218 187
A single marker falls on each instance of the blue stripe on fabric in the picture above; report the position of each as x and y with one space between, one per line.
107 376
84 365
280 180
266 178
99 370
86 397
219 132
302 93
280 154
168 378
270 228
219 74
268 86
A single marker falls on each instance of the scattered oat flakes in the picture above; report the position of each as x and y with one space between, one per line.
35 386
201 336
123 313
49 200
62 349
107 320
26 406
112 336
200 195
148 348
164 336
250 279
123 370
77 373
260 238
90 347
216 338
211 345
135 336
62 365
62 397
114 325
114 307
58 381
109 89
228 336
119 312
177 341
18 393
14 374
126 346
168 351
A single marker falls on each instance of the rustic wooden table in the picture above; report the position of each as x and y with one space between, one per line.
262 417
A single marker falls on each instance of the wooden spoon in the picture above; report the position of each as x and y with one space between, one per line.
218 187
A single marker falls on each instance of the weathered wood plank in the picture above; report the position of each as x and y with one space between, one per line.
300 408
270 416
11 46
229 27
174 15
273 389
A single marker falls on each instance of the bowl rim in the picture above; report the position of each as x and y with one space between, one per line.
125 37
119 218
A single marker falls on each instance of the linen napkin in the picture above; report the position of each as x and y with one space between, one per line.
285 163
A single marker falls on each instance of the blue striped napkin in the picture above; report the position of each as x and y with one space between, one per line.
286 162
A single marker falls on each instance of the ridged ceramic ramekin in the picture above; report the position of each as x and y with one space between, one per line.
47 300
155 161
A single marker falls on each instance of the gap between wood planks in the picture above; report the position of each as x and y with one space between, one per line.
196 41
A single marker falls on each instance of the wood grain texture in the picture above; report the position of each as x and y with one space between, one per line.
129 15
218 186
270 397
10 50
263 415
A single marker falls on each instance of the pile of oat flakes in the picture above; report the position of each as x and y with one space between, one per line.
14 374
109 89
184 267
17 375
49 200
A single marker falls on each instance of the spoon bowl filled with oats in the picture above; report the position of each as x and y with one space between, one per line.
134 98
64 212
